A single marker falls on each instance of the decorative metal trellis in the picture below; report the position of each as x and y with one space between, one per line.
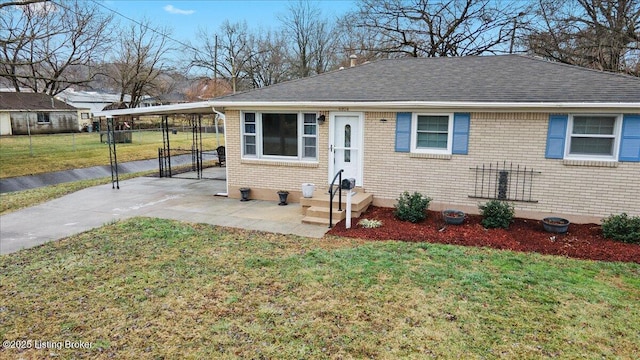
507 182
113 156
196 144
166 152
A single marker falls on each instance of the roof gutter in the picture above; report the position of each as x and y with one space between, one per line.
218 113
208 107
224 124
426 104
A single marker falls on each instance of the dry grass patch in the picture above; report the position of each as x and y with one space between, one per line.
149 288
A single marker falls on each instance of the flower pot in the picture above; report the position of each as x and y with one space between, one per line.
283 197
453 217
555 225
244 193
308 189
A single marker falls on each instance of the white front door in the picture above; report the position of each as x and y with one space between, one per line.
346 147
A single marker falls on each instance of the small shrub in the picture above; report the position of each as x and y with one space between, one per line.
496 214
370 224
622 227
411 207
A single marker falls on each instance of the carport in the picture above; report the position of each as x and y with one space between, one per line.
166 155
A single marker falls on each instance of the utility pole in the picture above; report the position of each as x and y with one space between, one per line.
233 73
513 32
513 35
215 69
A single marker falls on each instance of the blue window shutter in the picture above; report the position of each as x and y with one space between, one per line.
403 132
556 136
630 141
461 123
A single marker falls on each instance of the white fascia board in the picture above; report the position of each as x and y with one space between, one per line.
207 106
201 107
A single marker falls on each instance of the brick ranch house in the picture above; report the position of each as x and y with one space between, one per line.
554 139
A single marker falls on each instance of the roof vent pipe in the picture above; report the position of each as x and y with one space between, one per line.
352 60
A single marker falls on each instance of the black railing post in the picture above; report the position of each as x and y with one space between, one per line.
160 162
332 194
340 191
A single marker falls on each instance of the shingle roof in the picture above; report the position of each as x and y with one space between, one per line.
31 101
506 78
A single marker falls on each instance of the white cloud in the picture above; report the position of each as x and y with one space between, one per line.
173 10
42 8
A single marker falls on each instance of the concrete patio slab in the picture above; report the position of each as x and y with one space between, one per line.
179 199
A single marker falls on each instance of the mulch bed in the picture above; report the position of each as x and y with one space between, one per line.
583 241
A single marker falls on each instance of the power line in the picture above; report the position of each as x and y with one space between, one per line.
59 3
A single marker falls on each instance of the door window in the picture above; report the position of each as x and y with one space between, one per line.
347 143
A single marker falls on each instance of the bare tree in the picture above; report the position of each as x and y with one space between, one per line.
206 88
45 45
423 28
139 61
360 41
269 63
235 52
325 52
599 34
311 37
225 53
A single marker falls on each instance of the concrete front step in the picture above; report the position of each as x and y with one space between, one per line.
322 212
359 201
321 216
316 209
316 221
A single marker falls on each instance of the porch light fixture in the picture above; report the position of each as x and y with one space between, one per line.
321 119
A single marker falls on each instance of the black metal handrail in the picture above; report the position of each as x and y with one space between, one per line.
332 193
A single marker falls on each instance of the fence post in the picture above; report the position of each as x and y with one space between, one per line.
29 132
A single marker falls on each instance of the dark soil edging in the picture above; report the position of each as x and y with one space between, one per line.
582 241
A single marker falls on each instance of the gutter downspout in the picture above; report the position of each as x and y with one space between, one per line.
226 167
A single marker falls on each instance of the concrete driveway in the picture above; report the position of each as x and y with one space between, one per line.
169 198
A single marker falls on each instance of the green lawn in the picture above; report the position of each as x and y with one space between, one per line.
150 288
71 151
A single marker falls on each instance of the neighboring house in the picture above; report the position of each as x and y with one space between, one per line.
92 100
36 113
553 138
167 99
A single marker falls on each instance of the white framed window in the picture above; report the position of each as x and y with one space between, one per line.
431 133
309 136
249 134
43 118
593 136
279 135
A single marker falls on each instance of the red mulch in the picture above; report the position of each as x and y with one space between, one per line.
583 241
